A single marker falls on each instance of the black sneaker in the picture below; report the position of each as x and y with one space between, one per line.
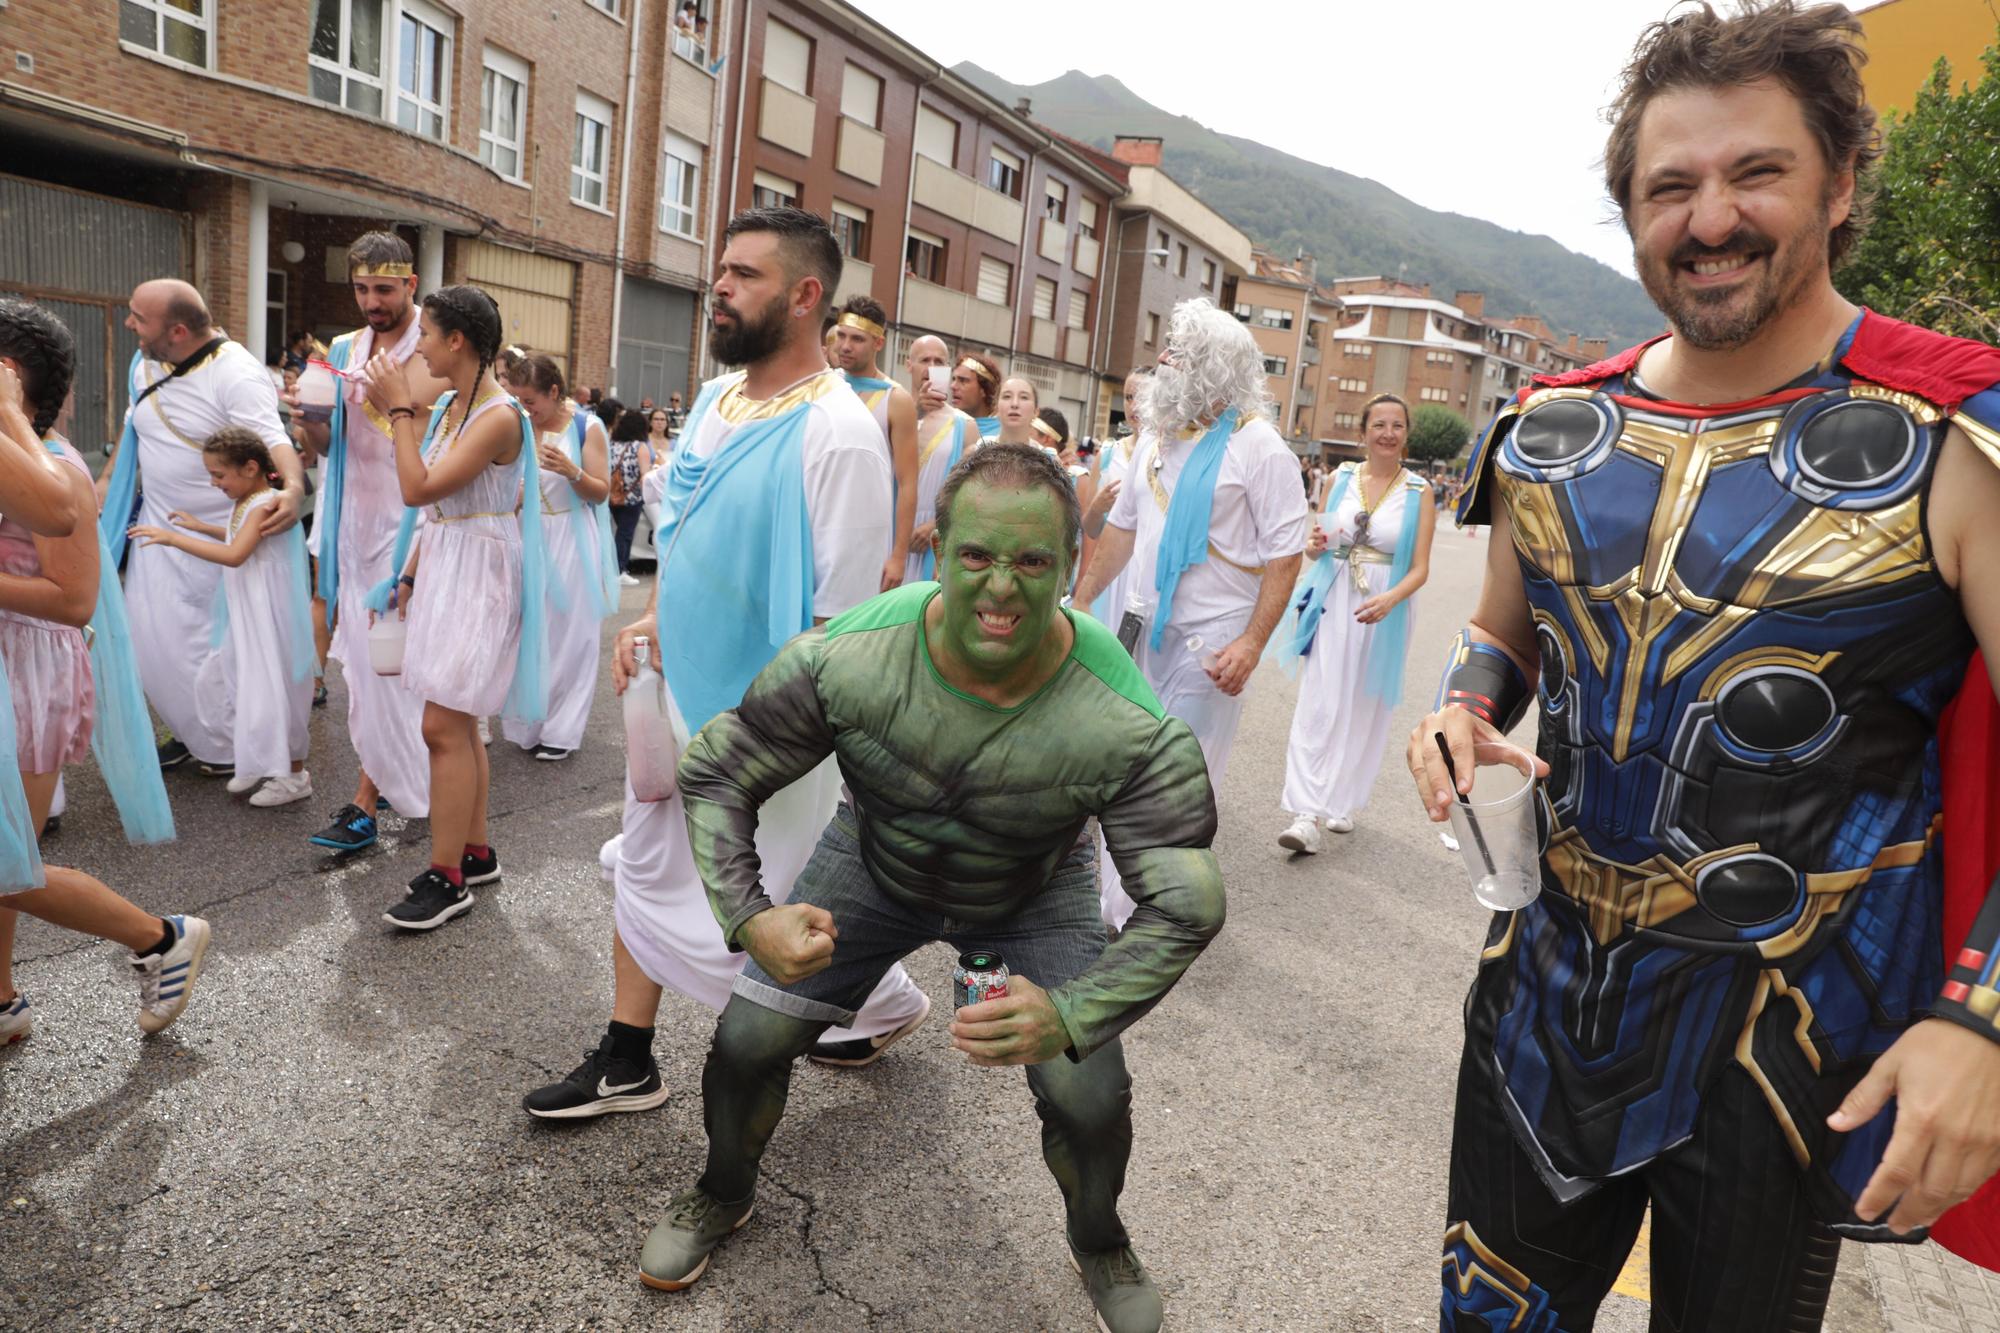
551 754
432 901
864 1051
173 754
319 696
214 770
352 829
477 870
52 826
600 1085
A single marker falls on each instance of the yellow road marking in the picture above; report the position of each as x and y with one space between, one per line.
1636 1278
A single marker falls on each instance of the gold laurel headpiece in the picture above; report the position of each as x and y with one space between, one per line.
384 271
969 364
868 326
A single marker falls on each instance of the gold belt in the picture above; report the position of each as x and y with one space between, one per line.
1354 557
460 518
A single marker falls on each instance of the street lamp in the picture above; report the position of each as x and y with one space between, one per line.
1158 252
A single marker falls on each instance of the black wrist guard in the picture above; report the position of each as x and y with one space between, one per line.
1971 995
1485 682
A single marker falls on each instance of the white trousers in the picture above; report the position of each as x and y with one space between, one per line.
662 909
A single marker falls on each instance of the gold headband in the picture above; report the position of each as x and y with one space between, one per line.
1046 431
969 364
384 271
850 320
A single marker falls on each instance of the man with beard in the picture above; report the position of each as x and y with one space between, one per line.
980 727
858 333
1213 510
360 506
777 506
187 381
1746 564
943 435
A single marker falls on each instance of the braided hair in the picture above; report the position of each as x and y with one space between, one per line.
470 312
42 346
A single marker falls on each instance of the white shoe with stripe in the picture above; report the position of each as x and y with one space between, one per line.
166 980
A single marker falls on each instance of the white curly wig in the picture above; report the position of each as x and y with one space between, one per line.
1212 363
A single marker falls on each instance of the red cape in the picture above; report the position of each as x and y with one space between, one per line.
1945 371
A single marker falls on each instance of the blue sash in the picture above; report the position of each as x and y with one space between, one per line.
867 383
528 697
590 530
1389 650
738 585
988 426
1184 542
122 491
333 481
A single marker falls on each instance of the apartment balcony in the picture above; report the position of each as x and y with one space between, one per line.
1087 248
1310 356
856 278
785 118
1303 396
943 190
1042 335
1054 234
997 215
859 152
930 306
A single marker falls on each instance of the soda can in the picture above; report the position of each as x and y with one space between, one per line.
980 975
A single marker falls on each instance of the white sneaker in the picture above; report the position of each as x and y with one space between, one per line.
167 979
1302 836
627 581
485 732
243 782
283 791
1341 824
16 1020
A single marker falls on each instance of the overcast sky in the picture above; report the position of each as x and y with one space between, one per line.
1489 109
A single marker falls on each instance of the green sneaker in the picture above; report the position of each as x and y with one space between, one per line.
1125 1297
676 1254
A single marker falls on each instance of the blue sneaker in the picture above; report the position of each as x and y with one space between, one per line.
15 1020
351 830
166 980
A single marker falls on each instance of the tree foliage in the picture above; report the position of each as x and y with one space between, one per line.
1437 434
1932 255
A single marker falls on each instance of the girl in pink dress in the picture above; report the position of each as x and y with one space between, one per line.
48 592
463 588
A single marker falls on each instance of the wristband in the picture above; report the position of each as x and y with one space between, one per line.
1971 994
408 580
397 413
1485 682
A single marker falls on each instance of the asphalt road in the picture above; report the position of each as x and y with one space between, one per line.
331 1136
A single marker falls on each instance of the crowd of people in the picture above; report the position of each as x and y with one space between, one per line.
980 682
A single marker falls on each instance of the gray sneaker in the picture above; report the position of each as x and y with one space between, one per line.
1125 1297
676 1254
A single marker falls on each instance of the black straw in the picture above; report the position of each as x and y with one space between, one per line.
1465 802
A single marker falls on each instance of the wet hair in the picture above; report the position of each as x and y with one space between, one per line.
1056 422
867 307
1814 51
237 445
42 346
1020 466
1380 399
537 370
371 248
468 311
804 240
631 426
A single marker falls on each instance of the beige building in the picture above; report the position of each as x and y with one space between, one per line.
1289 315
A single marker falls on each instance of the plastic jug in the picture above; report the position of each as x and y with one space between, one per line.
385 644
651 751
317 387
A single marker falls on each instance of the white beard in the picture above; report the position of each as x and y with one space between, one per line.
1170 399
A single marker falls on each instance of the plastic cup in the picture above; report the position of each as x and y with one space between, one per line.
1199 650
317 388
1496 829
385 644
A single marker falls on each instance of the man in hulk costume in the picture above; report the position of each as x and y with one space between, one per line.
979 727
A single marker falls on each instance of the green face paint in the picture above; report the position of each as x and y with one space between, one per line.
1004 570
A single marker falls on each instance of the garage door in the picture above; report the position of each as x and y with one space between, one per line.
657 324
81 255
534 292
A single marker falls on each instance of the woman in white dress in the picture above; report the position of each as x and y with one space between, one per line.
1367 555
574 456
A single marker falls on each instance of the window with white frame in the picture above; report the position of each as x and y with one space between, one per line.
851 228
1086 216
608 6
1003 173
923 256
770 191
1269 317
1079 305
503 112
937 136
1045 299
177 29
680 185
996 280
345 57
860 95
691 31
1274 365
423 69
590 150
1055 200
788 57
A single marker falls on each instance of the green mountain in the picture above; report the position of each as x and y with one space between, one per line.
1351 224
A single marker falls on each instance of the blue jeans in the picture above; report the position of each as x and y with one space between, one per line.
1085 1105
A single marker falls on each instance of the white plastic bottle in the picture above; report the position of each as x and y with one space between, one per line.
651 752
